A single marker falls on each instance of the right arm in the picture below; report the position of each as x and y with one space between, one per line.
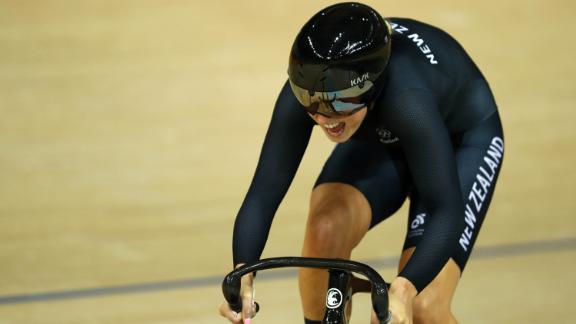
284 146
285 143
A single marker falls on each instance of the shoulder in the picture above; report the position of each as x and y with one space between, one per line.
417 58
405 110
407 27
426 43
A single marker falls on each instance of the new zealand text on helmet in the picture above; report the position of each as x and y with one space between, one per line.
337 59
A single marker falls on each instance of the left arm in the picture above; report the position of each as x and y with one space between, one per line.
431 159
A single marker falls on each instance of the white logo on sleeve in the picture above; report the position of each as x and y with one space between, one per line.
418 220
333 298
416 226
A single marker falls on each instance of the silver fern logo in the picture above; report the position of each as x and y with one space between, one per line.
385 136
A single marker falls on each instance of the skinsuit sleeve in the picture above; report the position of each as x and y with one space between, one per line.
414 116
284 145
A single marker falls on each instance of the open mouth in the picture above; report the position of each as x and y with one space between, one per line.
335 129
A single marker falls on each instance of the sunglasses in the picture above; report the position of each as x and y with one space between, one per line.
333 103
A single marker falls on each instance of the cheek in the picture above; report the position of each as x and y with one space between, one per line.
356 120
354 126
361 116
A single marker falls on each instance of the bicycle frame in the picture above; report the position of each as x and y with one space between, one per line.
340 273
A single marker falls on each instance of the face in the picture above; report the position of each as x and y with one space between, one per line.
340 129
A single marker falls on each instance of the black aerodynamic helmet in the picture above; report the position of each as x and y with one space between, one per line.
337 57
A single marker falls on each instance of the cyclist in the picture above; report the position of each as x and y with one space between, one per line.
413 117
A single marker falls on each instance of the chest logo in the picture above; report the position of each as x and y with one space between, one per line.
385 136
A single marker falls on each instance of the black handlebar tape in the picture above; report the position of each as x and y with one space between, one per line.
231 289
379 291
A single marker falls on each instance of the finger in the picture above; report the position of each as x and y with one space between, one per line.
231 315
236 317
398 319
247 310
248 303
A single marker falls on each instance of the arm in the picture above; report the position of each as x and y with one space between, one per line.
285 143
428 150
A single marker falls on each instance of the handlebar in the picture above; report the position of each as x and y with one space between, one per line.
379 291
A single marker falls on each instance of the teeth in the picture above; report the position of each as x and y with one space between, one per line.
330 126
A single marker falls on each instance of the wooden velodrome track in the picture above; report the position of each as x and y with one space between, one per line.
129 132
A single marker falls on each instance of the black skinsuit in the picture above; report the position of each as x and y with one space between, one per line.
433 135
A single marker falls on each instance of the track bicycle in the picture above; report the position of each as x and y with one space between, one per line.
342 284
